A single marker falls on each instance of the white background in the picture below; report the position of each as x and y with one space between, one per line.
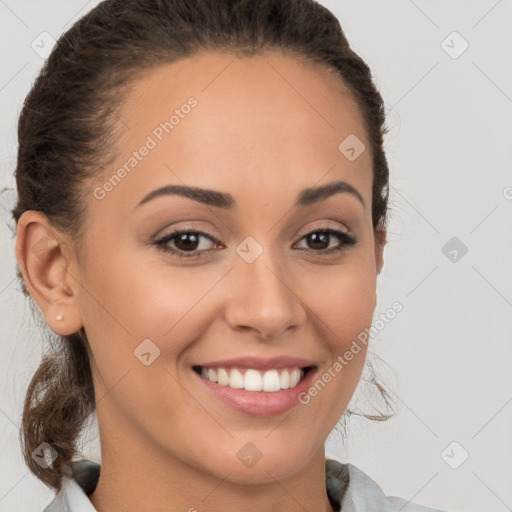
450 156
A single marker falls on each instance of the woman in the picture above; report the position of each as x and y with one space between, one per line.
201 219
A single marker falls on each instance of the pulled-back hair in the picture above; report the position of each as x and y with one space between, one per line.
67 133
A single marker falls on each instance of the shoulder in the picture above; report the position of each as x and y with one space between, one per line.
356 490
74 492
362 493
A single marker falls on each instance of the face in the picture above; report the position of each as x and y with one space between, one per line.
259 275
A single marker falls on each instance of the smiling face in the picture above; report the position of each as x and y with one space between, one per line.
259 132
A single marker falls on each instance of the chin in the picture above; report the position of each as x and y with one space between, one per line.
253 466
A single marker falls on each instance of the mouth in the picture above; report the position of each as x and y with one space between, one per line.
271 380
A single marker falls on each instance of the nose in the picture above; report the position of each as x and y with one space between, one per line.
264 300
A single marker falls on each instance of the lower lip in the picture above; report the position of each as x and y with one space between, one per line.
259 403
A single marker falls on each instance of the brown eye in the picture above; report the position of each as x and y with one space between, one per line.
318 240
184 242
187 243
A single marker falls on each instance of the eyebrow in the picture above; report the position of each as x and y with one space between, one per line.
306 197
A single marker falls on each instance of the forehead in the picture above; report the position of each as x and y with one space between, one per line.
266 123
233 90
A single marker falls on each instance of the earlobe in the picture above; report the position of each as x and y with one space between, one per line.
43 260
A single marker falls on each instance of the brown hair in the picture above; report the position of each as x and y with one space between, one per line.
66 133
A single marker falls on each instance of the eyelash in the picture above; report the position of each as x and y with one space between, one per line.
162 243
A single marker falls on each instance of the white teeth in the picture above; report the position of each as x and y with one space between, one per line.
295 376
236 379
269 381
284 379
252 380
223 377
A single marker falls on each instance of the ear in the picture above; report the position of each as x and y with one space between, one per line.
380 242
44 258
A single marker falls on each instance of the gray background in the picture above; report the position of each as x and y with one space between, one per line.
450 155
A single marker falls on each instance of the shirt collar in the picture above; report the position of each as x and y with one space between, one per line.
348 488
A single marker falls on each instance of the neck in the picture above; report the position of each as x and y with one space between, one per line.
136 475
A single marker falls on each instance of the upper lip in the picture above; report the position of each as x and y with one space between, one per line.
259 363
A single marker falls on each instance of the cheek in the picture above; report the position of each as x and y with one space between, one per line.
122 310
130 301
342 301
136 296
